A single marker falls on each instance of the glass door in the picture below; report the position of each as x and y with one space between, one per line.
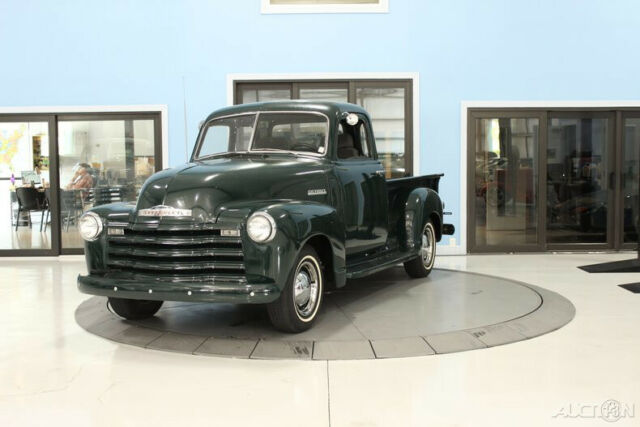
28 223
102 159
629 167
504 181
580 180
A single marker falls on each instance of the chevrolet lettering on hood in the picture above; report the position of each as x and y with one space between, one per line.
162 210
279 202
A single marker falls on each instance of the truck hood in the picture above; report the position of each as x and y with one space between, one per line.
209 186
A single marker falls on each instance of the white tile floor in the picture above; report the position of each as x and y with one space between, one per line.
52 372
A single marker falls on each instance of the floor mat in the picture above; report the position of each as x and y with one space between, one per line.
626 266
632 287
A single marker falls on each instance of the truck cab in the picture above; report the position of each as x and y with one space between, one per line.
279 202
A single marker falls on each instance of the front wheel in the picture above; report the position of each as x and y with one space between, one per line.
423 264
134 309
300 300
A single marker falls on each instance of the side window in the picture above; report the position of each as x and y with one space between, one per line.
354 141
365 143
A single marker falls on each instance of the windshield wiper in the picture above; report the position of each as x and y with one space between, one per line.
211 156
280 150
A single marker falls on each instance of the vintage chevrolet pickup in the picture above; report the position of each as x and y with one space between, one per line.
280 202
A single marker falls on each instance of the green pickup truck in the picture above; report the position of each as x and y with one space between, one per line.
280 202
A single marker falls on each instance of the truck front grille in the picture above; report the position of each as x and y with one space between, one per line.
183 254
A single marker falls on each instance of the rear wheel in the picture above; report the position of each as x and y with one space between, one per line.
300 300
134 309
423 264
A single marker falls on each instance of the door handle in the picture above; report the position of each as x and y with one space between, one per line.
612 181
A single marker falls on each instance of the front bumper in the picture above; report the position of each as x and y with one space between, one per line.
230 292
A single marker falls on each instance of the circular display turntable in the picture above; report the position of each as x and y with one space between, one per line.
380 316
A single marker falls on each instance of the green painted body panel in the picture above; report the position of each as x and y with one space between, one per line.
359 222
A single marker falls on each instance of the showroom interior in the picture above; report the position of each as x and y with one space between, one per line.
524 312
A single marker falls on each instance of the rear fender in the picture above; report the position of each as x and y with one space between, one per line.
422 205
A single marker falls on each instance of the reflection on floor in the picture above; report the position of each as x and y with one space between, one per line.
51 369
33 238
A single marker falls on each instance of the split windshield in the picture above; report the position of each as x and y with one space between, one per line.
297 132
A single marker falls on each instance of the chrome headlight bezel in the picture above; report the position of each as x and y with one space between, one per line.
262 219
90 226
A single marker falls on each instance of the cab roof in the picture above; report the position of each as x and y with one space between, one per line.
326 107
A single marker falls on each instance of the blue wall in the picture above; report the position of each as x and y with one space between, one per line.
89 52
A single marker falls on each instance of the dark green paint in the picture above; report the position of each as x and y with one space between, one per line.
360 223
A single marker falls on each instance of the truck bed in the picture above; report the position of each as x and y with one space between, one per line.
399 189
411 182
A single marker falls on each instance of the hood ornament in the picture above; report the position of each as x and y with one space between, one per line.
162 210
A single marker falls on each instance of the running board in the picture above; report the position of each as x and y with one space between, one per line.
379 263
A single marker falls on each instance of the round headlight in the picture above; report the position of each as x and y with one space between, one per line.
261 227
90 226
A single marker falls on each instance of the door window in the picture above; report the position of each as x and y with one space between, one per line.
630 179
100 162
578 180
505 182
25 186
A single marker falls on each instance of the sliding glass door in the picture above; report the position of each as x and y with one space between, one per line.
25 185
53 168
102 159
552 180
629 166
504 199
580 180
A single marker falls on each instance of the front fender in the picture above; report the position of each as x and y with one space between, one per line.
95 251
422 204
297 222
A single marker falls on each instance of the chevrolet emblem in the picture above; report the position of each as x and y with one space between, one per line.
162 210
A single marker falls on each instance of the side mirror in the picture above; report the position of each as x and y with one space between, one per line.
351 118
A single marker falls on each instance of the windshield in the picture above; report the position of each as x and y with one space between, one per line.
299 132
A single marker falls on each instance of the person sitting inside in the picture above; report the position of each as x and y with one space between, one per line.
81 178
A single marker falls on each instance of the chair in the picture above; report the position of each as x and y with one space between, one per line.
28 201
47 206
68 207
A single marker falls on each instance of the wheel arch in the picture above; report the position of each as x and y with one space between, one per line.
322 245
316 224
422 205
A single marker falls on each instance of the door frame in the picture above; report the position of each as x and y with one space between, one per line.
473 115
54 232
53 115
108 116
621 116
610 179
619 107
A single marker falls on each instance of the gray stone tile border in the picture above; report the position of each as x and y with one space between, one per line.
554 312
343 350
181 343
276 349
228 347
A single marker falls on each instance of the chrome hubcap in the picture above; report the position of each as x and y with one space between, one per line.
428 246
306 287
